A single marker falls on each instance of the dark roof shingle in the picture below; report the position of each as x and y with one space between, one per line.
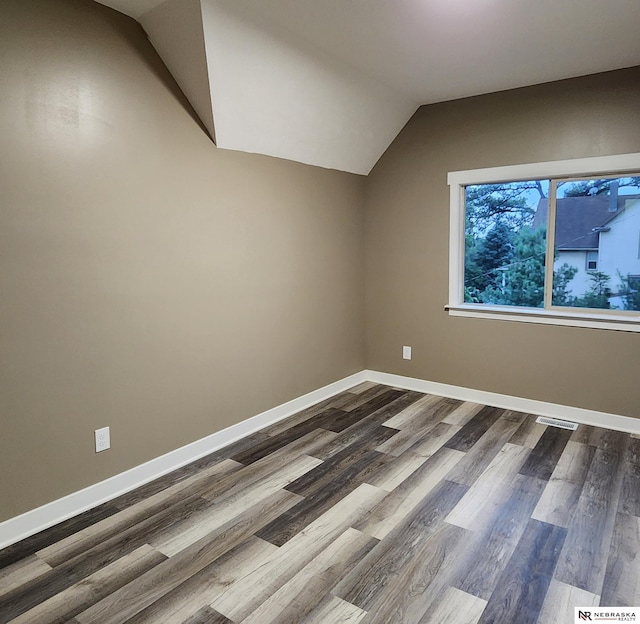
576 218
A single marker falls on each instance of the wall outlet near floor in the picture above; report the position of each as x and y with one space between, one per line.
103 439
406 353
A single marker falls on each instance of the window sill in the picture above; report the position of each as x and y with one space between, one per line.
548 317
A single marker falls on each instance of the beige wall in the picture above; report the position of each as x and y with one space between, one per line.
149 281
406 236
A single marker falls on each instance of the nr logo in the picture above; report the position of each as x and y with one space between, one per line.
584 615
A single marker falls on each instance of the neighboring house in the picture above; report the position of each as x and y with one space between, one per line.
619 248
599 233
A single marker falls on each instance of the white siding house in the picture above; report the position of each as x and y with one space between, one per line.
596 233
619 248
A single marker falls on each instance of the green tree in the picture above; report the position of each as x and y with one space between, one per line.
474 280
561 295
496 249
486 204
598 294
629 290
485 259
524 278
519 278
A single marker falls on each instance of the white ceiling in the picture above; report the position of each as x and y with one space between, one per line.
388 56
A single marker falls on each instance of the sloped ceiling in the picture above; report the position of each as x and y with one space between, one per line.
332 82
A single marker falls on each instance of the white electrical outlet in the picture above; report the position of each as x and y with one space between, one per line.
406 353
103 439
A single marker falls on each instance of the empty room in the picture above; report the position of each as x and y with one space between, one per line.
319 311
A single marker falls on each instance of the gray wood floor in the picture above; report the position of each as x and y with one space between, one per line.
378 505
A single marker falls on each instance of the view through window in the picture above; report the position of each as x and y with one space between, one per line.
587 229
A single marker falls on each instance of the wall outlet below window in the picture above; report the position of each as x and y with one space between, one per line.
406 353
103 439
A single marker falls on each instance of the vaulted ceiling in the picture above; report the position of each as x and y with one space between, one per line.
332 82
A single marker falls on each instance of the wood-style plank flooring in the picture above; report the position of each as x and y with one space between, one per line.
378 505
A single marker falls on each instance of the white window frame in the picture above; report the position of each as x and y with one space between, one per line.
579 167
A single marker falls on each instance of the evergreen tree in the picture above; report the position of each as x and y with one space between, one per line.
561 277
496 249
598 294
485 259
522 280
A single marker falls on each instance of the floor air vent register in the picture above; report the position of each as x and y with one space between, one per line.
555 422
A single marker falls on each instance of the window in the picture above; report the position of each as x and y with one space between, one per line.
558 246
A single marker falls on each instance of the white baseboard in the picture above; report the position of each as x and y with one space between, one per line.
518 404
31 522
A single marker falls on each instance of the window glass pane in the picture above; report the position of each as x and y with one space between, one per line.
597 227
505 243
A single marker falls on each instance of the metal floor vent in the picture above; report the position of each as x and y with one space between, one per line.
554 422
